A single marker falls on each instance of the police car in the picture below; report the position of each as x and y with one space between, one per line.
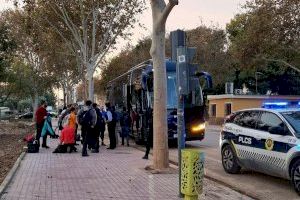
265 140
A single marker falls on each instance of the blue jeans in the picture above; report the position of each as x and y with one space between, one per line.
125 134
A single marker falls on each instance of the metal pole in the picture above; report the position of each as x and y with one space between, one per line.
180 132
182 89
256 82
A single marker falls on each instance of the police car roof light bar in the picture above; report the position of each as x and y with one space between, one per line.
276 103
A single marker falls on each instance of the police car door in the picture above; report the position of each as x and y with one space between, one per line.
245 131
272 149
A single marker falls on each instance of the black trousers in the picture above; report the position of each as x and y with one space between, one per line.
87 138
149 143
112 135
102 130
39 128
96 136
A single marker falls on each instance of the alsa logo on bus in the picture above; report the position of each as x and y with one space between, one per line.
245 140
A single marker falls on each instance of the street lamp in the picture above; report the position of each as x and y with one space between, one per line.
257 73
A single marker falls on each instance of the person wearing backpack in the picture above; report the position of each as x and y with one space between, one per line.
87 120
111 126
125 123
97 129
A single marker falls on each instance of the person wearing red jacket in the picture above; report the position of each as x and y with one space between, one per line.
40 116
67 139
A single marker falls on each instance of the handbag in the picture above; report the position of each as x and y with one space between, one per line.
33 147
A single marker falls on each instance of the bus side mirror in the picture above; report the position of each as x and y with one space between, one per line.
207 77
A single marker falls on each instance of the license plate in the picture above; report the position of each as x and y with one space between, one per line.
175 135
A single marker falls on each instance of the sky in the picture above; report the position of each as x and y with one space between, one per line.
192 13
187 15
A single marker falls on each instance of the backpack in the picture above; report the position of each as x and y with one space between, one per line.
125 119
100 120
80 117
114 116
87 119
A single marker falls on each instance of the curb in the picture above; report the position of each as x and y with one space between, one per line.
212 178
11 174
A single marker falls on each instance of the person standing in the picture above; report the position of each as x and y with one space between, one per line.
40 117
97 128
102 127
125 123
88 120
137 121
111 126
149 142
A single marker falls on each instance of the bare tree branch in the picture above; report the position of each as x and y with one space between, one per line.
284 63
167 10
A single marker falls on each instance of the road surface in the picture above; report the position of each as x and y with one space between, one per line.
254 184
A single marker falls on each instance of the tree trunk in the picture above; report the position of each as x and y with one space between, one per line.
35 104
160 13
160 124
91 86
64 93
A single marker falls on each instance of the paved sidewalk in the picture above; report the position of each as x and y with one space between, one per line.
111 174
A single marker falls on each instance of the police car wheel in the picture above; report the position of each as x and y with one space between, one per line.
229 160
296 176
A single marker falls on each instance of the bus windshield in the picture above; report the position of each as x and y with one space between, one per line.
194 98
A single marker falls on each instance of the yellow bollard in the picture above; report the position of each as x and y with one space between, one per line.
192 173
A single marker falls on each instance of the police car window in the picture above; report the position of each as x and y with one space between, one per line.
237 118
247 119
293 117
268 120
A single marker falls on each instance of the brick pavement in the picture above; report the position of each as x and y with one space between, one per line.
111 174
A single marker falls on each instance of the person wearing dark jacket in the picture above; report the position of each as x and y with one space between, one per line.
149 142
102 127
40 116
111 126
125 123
87 118
97 129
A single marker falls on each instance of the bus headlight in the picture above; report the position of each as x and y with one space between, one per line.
198 128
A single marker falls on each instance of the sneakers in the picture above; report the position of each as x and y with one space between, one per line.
45 146
85 155
145 157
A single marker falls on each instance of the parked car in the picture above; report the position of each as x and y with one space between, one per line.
264 140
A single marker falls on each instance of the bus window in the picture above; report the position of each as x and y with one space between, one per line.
195 97
171 90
